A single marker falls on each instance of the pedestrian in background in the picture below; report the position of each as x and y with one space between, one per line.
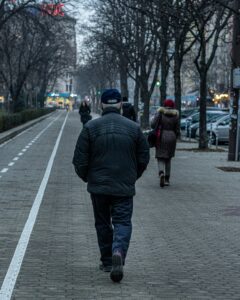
167 117
84 112
128 110
110 155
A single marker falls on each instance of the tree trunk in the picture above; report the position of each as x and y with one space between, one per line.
42 94
146 100
203 139
177 81
202 69
136 95
164 74
145 117
178 84
123 70
15 101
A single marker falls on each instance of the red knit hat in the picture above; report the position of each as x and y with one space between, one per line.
169 103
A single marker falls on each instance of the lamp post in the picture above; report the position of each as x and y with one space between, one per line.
234 144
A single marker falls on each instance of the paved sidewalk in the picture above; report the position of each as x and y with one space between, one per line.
185 243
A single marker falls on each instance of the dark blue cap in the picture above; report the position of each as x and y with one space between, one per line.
111 96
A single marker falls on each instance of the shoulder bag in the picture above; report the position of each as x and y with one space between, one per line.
154 135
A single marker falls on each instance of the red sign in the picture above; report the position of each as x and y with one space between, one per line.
52 9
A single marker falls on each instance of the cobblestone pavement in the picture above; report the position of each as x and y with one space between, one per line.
185 242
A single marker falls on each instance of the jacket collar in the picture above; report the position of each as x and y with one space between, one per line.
110 110
168 111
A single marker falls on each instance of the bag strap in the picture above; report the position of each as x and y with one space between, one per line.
158 120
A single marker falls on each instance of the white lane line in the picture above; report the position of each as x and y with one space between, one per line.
25 149
4 170
16 262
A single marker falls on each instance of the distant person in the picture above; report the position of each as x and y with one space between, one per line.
110 155
128 110
167 118
84 111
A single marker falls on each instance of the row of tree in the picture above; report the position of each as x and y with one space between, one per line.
34 49
143 39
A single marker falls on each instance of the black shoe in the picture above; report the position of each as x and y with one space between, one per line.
117 268
162 179
106 268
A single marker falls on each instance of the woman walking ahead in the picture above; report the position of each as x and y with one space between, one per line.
167 118
84 112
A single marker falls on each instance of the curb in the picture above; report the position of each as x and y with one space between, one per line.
11 133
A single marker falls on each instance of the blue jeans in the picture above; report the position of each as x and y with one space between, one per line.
113 224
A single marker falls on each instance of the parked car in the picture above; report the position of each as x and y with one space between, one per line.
192 123
220 130
185 114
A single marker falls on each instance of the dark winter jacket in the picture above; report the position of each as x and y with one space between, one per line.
110 154
84 112
128 111
169 132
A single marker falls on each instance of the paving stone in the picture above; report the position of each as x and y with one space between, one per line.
183 247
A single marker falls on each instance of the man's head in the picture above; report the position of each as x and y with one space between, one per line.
111 98
124 99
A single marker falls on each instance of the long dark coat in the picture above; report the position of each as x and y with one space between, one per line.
84 112
169 132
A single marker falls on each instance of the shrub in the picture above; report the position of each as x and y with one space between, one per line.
8 121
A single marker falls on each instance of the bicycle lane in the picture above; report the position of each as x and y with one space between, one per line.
20 182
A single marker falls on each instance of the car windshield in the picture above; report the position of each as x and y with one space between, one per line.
187 113
214 117
225 120
195 118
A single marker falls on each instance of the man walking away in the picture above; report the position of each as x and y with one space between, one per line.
110 155
128 110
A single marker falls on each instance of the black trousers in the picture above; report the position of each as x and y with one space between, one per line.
113 224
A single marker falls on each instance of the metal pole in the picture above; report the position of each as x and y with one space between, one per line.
210 136
233 134
237 155
190 131
216 136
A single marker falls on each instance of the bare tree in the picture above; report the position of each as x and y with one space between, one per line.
210 19
32 53
97 71
9 8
